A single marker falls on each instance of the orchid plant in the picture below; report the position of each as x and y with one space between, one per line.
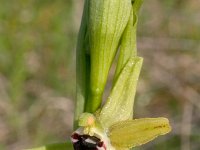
108 26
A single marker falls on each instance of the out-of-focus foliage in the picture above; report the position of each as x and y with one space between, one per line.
169 41
37 74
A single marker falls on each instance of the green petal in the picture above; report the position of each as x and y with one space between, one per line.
119 105
127 134
107 21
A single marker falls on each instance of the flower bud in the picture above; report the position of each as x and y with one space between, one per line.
106 23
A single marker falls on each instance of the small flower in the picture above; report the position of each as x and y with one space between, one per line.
111 127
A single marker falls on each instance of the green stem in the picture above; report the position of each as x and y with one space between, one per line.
56 146
81 66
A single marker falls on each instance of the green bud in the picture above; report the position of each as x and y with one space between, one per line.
106 23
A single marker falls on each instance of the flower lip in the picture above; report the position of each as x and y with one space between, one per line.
87 142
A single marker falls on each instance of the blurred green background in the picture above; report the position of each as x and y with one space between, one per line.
37 71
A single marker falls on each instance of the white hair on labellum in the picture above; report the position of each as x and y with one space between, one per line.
90 141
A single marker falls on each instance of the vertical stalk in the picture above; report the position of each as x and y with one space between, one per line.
82 66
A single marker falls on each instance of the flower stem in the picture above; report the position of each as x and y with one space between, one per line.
82 66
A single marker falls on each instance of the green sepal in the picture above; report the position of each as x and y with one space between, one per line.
56 146
131 133
119 105
128 47
107 21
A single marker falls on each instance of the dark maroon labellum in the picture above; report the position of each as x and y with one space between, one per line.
86 142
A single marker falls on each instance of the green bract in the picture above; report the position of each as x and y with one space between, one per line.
119 105
106 23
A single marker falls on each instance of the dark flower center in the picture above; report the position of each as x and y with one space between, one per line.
86 142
